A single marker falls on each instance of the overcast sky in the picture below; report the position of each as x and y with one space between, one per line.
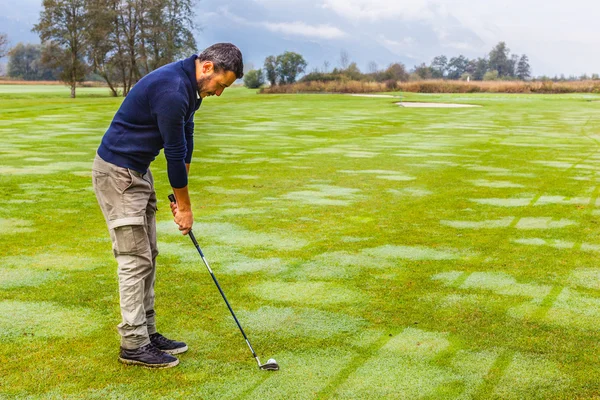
558 37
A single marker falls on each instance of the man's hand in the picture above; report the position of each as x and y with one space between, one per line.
184 219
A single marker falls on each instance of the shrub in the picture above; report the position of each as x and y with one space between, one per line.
491 76
254 79
391 84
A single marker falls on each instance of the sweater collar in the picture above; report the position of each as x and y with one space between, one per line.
189 66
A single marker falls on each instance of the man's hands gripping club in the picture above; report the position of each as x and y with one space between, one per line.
182 210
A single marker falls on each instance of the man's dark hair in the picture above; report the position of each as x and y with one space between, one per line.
225 57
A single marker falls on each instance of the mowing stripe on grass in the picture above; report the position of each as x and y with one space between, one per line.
26 320
306 373
585 277
300 322
529 377
307 292
353 365
547 303
11 226
13 277
494 375
235 235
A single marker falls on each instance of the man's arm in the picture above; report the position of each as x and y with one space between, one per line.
170 108
182 210
183 198
189 139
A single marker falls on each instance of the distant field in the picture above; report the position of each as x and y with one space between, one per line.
374 251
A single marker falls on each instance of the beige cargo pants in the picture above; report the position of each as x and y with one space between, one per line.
128 202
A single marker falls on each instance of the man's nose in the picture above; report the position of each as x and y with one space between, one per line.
219 92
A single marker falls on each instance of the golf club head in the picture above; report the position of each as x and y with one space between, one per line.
270 365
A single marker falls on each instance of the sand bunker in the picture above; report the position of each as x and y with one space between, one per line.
374 95
434 105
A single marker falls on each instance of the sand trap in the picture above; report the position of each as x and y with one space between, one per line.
434 105
375 95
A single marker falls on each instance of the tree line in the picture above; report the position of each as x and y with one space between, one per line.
499 64
119 40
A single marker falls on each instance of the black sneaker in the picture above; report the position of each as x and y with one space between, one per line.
167 345
147 356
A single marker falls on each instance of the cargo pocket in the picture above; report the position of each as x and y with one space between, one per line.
129 235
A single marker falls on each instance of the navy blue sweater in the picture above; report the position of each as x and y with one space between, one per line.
157 113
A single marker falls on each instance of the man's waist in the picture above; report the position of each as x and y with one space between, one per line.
122 160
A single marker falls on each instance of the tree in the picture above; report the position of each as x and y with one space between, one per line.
25 62
523 68
128 39
101 44
499 60
512 65
353 72
164 31
344 59
477 68
254 79
373 67
439 66
288 66
457 66
271 69
3 45
423 71
63 24
396 72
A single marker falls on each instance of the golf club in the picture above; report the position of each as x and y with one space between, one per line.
271 364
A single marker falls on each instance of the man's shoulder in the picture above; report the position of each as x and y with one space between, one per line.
170 73
168 82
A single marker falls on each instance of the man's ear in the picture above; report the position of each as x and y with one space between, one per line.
207 67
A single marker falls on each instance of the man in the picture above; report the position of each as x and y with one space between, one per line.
157 113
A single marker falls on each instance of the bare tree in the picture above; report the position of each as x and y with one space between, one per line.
271 69
373 67
325 66
62 26
130 38
344 59
101 41
3 45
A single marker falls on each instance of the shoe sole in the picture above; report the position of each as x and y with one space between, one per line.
146 365
175 351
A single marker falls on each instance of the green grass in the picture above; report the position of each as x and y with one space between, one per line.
374 251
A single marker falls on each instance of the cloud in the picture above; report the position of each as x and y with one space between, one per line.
296 28
405 41
376 10
302 29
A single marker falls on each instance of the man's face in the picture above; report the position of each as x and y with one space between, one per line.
210 81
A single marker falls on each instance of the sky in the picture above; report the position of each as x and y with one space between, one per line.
557 36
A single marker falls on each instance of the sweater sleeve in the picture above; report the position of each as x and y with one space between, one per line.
189 138
169 108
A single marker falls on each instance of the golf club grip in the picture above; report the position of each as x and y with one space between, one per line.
190 234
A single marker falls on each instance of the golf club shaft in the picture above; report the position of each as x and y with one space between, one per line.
191 235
